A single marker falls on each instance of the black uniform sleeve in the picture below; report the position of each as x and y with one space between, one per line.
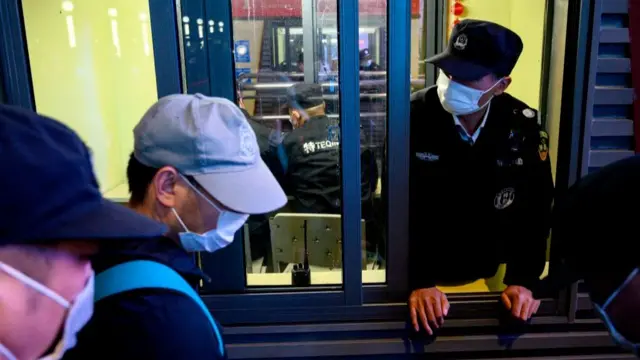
421 271
527 254
159 326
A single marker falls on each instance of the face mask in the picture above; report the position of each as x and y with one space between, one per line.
458 99
228 223
79 312
617 337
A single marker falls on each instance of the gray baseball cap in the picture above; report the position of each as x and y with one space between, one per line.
210 139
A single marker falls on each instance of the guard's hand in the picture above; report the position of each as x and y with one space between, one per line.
520 301
429 307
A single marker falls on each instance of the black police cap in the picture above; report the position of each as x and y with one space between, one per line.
304 96
365 54
479 48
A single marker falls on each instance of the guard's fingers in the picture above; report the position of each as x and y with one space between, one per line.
535 307
516 307
506 301
526 305
429 305
445 304
423 318
437 311
414 318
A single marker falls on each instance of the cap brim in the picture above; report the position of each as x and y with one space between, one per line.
108 221
458 68
252 191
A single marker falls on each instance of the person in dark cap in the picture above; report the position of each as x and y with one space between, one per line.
310 154
480 159
53 220
601 207
366 61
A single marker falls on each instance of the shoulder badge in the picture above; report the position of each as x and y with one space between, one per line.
543 147
528 113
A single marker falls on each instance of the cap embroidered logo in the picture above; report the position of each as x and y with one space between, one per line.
246 144
461 42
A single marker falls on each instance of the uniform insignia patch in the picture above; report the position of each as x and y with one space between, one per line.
528 113
543 147
504 198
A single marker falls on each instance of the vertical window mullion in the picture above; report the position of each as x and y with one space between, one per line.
349 66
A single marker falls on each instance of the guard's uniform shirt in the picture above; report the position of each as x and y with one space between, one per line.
476 204
313 165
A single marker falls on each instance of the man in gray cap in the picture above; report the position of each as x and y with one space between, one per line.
479 159
195 167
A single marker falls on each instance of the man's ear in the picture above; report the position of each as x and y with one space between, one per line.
164 186
502 86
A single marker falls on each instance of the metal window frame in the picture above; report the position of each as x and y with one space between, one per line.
354 302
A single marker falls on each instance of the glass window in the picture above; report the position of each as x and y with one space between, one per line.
305 156
92 67
478 265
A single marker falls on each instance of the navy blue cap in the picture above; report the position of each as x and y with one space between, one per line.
479 48
49 190
365 54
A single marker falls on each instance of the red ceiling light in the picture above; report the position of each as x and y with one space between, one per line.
457 9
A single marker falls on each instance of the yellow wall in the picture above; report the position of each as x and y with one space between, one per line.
526 18
92 67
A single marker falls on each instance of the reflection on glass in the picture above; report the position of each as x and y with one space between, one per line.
99 97
272 64
373 123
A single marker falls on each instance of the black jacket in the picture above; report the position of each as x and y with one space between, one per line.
313 165
151 323
473 207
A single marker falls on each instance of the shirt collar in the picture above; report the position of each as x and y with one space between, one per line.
463 132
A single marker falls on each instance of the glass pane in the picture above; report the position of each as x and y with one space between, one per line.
92 67
373 124
282 36
481 189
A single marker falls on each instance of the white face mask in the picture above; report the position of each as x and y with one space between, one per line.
228 223
79 312
458 99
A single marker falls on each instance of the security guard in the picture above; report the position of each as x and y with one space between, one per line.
310 154
480 177
366 61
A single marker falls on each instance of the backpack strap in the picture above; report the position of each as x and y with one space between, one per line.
144 274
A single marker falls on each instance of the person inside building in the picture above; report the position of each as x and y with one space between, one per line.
310 157
366 61
310 154
480 177
196 168
601 206
55 219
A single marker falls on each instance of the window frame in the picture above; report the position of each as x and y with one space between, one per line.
354 302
